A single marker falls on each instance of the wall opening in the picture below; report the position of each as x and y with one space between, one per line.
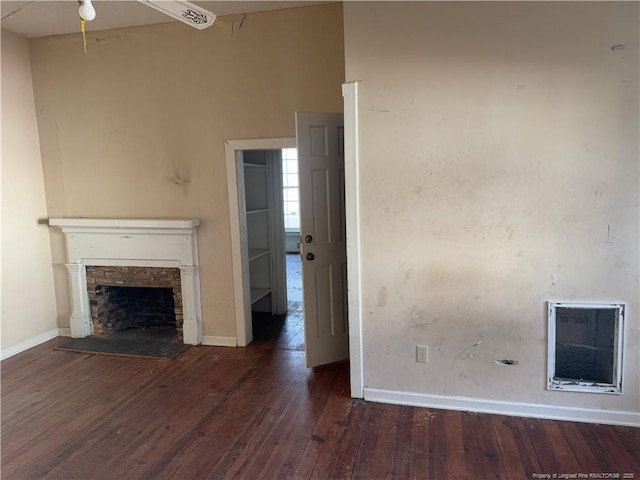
125 308
585 347
127 298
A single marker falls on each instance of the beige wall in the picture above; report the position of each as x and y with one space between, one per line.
499 170
28 302
136 127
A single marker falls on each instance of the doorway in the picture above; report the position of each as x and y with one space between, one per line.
319 140
239 249
274 326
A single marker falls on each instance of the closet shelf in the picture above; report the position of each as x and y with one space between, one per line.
255 253
258 293
254 165
256 211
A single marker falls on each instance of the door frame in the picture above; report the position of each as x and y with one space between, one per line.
242 304
352 215
352 212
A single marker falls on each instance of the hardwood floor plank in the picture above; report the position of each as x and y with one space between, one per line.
250 458
542 446
403 452
454 454
623 459
588 461
567 461
217 416
120 427
258 412
69 414
381 463
507 450
526 449
288 433
249 431
630 438
350 441
420 432
34 358
591 434
438 448
327 432
480 448
368 445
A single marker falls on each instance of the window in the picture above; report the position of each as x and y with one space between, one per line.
585 347
290 191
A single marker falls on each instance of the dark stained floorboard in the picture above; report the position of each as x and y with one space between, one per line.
259 413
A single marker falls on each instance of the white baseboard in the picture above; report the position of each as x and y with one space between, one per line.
219 341
27 344
64 332
515 409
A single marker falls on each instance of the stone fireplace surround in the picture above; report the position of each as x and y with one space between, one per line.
132 243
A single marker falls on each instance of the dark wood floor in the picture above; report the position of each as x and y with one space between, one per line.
258 413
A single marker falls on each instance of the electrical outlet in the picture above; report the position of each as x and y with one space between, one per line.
422 353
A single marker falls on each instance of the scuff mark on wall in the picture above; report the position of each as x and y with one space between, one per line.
179 178
600 190
382 297
609 236
465 351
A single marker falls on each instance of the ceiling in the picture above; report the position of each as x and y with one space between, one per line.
38 18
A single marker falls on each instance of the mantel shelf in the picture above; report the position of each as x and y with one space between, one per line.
124 223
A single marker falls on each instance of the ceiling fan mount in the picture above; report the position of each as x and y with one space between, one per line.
181 10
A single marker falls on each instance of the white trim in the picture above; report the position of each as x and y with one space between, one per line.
230 148
30 343
352 208
553 412
134 242
177 226
219 341
575 385
64 332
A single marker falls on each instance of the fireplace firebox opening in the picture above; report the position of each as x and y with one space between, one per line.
126 308
124 298
585 347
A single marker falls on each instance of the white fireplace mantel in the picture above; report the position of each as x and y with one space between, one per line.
135 243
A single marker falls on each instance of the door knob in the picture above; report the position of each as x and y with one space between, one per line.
310 256
308 239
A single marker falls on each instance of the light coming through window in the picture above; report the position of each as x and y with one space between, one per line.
290 192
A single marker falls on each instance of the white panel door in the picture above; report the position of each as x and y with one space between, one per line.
320 138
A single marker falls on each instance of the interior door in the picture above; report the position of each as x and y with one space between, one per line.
320 138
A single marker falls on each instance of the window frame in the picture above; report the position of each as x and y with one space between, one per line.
577 385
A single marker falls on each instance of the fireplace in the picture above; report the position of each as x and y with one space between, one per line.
124 298
109 258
